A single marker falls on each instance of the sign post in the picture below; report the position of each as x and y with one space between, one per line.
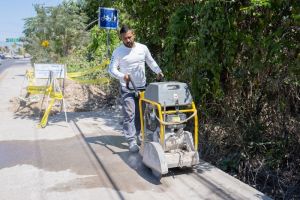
108 19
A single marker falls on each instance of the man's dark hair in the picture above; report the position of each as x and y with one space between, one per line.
125 29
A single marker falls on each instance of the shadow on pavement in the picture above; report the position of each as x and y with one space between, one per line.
133 160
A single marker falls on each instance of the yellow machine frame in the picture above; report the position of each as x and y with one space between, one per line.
160 115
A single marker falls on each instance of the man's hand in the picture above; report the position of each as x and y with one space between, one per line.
127 78
160 76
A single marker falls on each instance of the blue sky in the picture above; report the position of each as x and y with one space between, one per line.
12 13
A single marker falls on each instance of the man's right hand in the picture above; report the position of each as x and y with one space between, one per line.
127 78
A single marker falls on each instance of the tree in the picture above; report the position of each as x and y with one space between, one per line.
62 27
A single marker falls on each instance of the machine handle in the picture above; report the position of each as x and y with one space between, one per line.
136 92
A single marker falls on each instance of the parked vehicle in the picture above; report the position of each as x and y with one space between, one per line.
16 56
27 55
7 56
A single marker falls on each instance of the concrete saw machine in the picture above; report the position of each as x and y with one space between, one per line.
165 109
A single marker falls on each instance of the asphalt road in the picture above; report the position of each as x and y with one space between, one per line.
7 63
88 158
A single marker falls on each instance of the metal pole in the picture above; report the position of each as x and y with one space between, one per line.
108 44
90 24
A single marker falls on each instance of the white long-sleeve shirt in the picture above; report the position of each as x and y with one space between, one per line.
131 61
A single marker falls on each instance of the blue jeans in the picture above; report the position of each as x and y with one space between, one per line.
131 114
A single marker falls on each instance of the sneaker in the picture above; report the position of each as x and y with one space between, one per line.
133 147
139 140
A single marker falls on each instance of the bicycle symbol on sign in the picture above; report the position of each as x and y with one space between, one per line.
108 18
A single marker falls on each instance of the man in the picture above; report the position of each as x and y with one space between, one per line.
128 62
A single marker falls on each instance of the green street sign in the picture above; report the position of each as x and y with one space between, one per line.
12 39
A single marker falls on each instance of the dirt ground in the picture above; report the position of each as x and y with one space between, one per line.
77 98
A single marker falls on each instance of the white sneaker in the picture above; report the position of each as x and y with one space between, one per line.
133 147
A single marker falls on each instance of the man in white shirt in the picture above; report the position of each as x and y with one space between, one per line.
128 62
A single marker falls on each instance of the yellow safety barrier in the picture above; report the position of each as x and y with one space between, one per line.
30 76
89 71
74 75
103 80
44 119
38 89
46 90
54 95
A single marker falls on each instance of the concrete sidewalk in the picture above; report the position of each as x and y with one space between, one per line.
128 175
88 158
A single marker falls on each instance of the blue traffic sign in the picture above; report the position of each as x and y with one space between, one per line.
108 18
